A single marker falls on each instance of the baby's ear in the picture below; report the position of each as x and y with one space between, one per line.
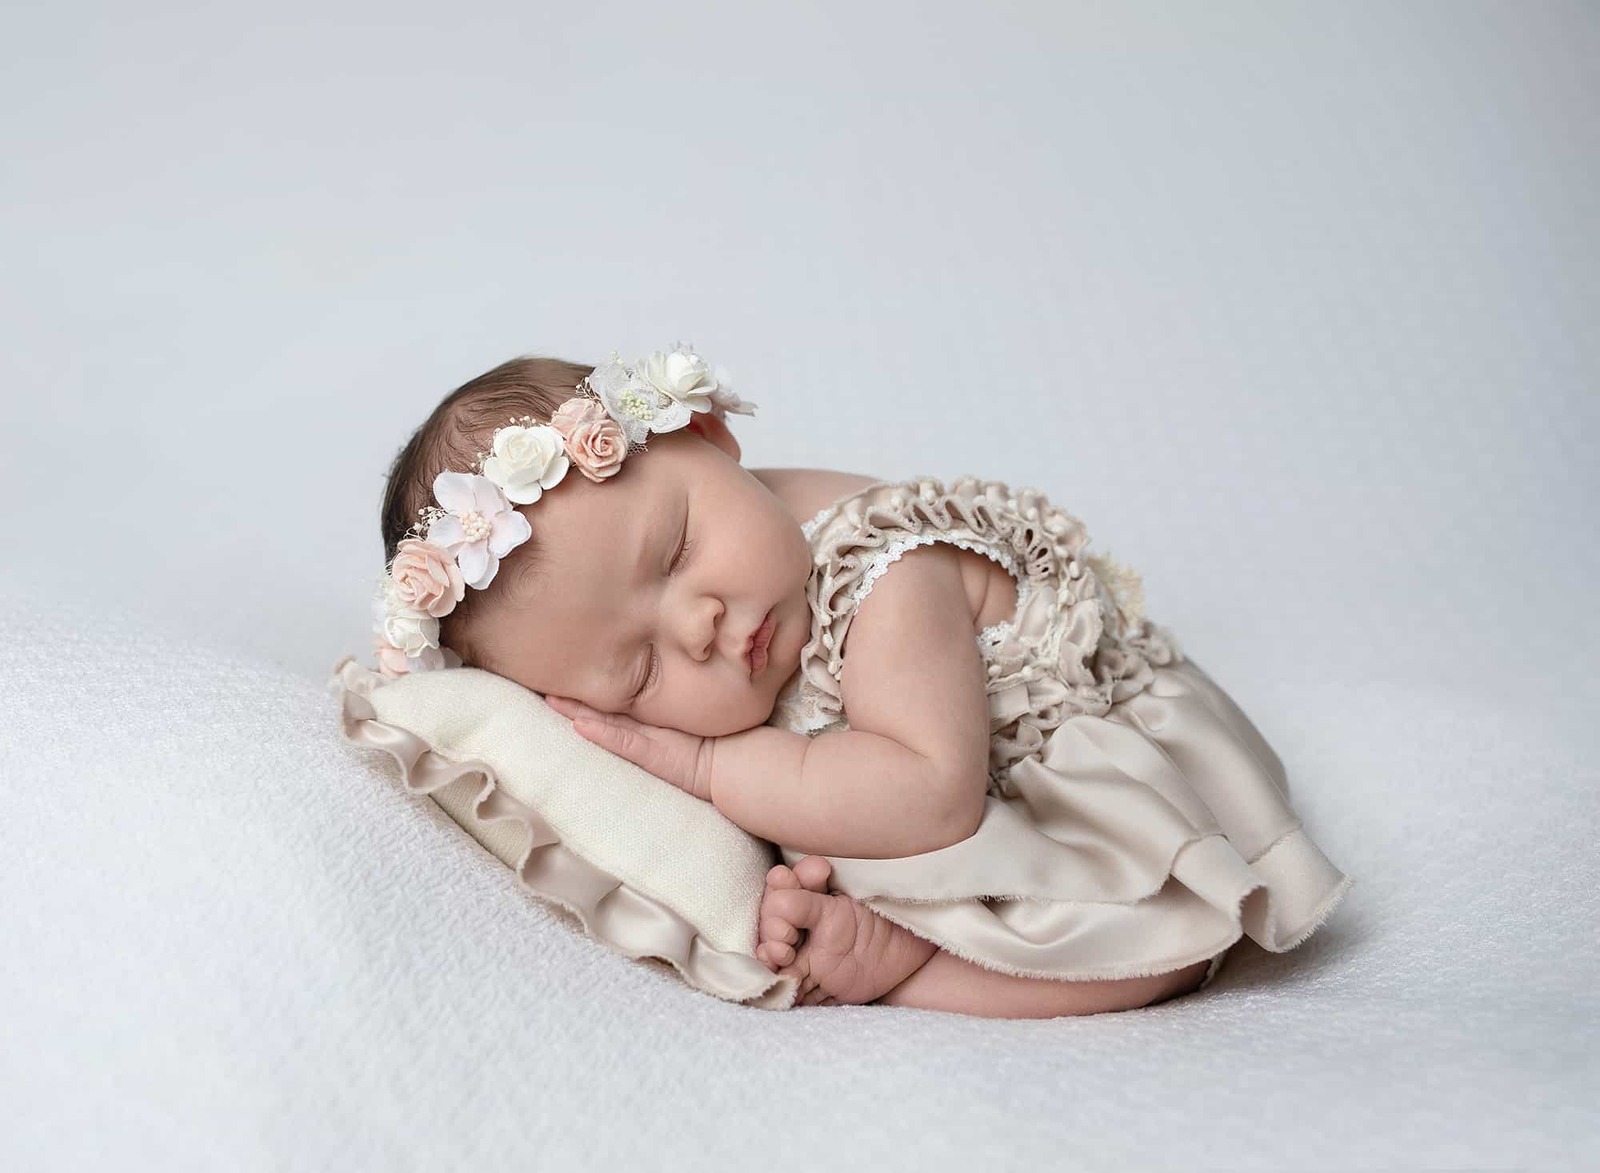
708 427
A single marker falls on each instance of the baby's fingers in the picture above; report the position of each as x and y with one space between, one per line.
613 731
620 734
566 706
669 754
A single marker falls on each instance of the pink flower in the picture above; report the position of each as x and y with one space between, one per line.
597 448
595 442
426 578
574 412
479 526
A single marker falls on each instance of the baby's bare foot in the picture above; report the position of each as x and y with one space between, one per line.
850 955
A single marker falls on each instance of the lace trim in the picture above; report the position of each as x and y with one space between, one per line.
992 637
898 548
809 528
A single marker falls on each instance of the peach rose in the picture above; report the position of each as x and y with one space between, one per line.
597 448
426 578
575 412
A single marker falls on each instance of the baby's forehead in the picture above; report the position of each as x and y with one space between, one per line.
596 532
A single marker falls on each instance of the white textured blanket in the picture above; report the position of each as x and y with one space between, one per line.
230 936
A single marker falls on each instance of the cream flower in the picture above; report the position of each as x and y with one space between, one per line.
681 376
426 578
411 631
526 461
479 526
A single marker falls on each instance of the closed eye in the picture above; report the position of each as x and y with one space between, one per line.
678 563
684 546
650 676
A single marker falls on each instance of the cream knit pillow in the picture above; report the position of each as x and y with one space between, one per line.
648 870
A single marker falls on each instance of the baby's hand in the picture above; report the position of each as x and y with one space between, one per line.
682 759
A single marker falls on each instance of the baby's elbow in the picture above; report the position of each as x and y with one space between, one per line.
968 820
964 813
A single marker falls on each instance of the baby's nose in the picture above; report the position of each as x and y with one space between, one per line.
704 628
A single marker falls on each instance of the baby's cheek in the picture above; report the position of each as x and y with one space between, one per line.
754 710
718 716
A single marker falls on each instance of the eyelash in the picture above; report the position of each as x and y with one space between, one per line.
678 564
655 665
683 555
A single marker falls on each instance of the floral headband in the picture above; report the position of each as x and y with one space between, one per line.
458 542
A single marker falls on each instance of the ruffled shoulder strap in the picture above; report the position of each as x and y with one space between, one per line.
1019 528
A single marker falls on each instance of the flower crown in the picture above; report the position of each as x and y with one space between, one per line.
458 542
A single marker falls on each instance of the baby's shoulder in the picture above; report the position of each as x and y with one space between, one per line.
805 492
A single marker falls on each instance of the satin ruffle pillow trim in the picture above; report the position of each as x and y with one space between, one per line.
648 871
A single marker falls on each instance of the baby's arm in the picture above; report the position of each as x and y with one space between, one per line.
911 772
909 775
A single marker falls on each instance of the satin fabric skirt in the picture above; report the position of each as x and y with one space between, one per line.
1134 842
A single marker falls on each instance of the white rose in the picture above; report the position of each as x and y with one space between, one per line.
682 376
411 631
526 462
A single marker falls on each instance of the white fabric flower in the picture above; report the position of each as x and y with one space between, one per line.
723 400
479 526
432 659
638 406
526 461
681 376
411 631
406 628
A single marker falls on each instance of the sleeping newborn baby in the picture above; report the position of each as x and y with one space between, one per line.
998 789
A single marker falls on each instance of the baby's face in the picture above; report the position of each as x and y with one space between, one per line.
646 591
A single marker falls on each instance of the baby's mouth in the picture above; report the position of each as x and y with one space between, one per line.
756 653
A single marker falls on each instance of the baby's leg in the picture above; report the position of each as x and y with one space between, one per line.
946 982
852 955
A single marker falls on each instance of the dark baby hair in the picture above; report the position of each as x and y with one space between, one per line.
453 436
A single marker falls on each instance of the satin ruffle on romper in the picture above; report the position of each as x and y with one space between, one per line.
1136 822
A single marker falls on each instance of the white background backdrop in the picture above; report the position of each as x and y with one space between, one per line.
1294 304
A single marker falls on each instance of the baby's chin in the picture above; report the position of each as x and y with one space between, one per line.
724 725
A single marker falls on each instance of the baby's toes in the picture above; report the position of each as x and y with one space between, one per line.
812 872
782 876
775 930
775 955
773 926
